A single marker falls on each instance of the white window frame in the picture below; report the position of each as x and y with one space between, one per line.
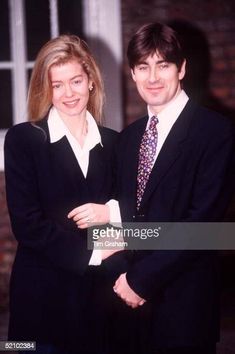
102 24
18 64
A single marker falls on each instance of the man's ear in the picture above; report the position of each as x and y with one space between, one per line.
133 74
182 70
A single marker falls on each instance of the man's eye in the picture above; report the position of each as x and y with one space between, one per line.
164 66
142 67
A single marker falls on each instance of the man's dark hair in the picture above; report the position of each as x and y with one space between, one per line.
152 38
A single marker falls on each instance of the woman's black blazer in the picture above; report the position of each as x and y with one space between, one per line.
54 294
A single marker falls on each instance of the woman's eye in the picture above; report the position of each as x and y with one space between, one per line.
56 86
77 82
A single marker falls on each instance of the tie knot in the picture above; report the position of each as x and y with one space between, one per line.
153 122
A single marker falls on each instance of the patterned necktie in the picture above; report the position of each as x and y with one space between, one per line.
147 154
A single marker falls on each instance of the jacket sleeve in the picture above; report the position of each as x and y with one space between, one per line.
62 247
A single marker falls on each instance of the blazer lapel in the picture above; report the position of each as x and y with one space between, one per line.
170 151
63 157
96 170
64 163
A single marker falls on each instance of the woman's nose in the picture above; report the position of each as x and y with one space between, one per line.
68 91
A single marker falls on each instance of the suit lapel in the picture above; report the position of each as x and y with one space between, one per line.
170 151
131 161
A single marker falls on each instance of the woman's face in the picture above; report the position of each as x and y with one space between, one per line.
70 89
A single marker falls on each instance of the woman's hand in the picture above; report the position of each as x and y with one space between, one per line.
90 214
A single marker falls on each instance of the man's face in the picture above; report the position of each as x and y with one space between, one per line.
157 81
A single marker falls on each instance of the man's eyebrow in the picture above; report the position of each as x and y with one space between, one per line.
162 61
143 62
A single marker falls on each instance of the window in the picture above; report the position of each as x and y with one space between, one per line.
26 24
5 68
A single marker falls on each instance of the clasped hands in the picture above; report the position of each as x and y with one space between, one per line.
123 290
91 213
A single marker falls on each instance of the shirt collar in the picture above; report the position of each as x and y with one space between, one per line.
173 109
58 129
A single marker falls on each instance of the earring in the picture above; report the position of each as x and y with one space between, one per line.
91 88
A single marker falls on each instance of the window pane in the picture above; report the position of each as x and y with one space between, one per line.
29 73
4 31
70 17
37 25
5 99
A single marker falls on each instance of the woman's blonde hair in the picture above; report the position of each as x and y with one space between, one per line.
58 51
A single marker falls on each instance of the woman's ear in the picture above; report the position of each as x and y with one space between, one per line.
91 86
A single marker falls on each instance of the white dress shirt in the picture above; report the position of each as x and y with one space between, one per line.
58 129
167 117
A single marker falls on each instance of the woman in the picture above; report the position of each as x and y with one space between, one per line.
58 160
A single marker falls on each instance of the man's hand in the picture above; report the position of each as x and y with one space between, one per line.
123 290
90 214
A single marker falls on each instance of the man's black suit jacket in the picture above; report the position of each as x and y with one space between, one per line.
190 181
55 296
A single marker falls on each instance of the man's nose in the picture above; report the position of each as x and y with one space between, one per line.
153 74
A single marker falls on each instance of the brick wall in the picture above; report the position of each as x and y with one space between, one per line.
208 28
7 247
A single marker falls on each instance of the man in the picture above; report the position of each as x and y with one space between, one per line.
174 167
